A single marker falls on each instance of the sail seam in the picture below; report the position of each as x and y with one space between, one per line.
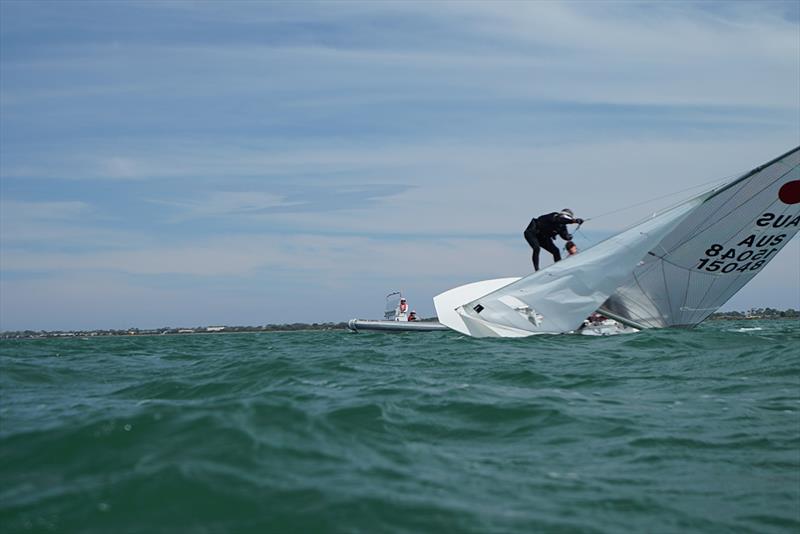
734 281
697 231
702 299
688 283
639 285
666 289
642 305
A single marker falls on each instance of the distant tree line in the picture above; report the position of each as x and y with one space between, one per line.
287 327
757 313
754 313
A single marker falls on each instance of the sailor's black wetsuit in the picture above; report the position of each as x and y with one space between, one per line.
543 229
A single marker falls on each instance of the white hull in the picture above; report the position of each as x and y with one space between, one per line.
357 325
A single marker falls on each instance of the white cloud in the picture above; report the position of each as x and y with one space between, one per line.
225 203
121 167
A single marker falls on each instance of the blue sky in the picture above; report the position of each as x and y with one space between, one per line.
193 163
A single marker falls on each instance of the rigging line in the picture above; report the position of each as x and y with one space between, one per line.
637 308
639 285
734 282
735 233
735 279
740 184
586 237
645 219
692 269
702 300
637 311
666 289
697 231
744 279
732 210
686 292
688 284
739 178
745 176
640 316
631 206
714 280
694 232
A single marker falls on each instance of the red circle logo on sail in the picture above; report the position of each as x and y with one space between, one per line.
790 192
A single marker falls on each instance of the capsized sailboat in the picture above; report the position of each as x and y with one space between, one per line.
674 269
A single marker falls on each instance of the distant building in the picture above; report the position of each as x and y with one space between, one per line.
215 328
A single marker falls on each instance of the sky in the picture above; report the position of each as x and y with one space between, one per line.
187 163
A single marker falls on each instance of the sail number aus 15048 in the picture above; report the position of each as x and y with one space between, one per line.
748 255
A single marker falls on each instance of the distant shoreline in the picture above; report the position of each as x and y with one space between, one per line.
172 331
753 314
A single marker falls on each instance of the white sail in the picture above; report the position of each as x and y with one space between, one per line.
557 299
715 250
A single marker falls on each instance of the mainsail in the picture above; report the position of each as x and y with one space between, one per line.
714 251
559 298
674 269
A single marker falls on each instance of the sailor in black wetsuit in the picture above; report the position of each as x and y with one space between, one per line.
543 229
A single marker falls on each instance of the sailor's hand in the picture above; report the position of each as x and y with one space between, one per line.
579 221
569 237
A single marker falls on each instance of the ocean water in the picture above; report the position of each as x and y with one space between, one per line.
330 431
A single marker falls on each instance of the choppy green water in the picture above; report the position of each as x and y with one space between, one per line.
666 431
